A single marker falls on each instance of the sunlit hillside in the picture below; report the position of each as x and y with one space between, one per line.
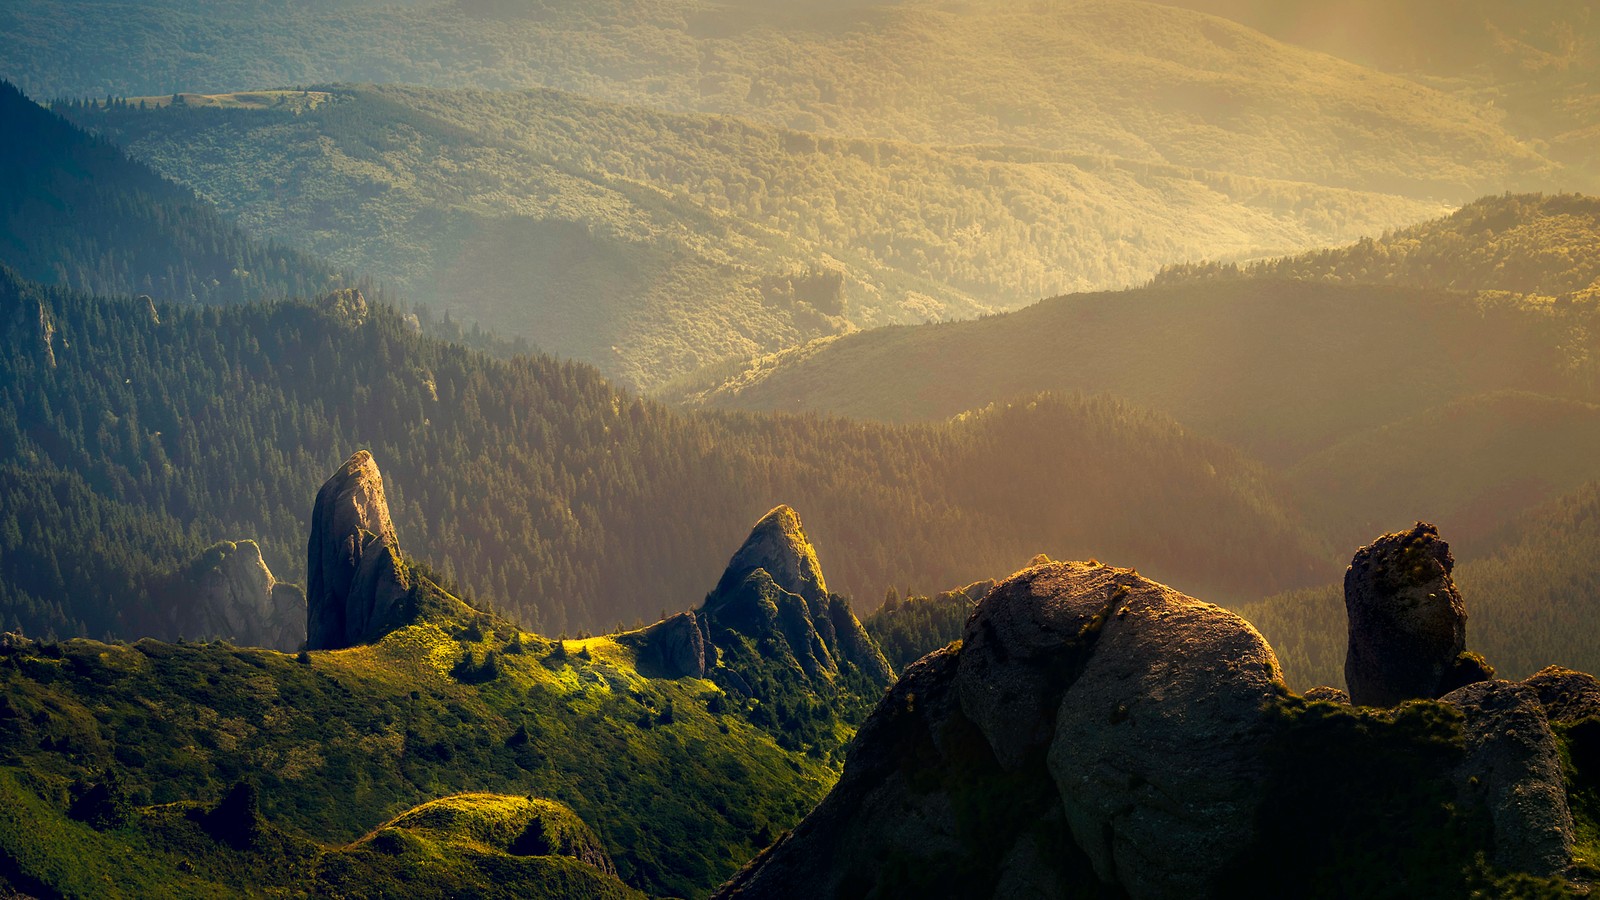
650 244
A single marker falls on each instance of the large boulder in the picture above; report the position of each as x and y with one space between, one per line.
1160 742
1092 726
1408 626
1027 640
1513 770
1567 696
355 583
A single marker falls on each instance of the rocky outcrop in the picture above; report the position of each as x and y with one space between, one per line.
1092 726
355 584
674 647
1512 770
773 589
228 592
777 544
1407 624
1567 696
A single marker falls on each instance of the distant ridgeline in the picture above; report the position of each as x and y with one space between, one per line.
136 435
75 211
411 749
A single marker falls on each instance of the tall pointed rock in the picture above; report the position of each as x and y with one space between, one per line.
355 585
773 588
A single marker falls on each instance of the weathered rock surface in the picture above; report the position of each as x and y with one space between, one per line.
779 545
1159 749
355 584
1567 696
1513 768
1027 640
877 811
1408 626
228 592
1132 753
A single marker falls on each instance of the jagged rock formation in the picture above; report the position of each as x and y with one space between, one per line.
773 589
355 583
772 594
1408 626
778 545
229 592
1111 727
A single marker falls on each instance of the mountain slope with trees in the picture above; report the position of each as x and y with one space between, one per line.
649 243
569 503
1148 83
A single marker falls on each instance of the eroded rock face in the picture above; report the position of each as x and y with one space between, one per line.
228 592
1159 748
1026 642
1513 769
779 545
1408 626
354 581
1567 696
674 647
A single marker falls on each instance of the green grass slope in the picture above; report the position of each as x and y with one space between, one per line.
1145 82
649 243
113 758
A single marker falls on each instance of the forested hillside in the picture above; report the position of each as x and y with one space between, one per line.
1280 368
560 499
649 244
1539 248
76 211
1148 83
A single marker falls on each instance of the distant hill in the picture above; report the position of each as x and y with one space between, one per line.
650 244
1279 368
1536 247
74 210
1470 466
570 504
1147 83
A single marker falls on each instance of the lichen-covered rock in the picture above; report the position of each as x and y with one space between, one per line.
1328 694
1567 696
1513 769
355 583
1159 748
1027 640
1408 626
